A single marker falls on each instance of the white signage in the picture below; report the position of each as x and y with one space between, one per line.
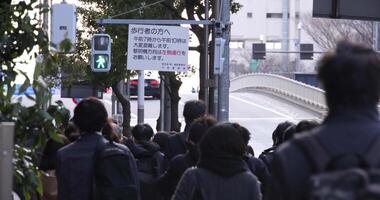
162 48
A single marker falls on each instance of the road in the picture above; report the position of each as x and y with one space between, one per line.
260 113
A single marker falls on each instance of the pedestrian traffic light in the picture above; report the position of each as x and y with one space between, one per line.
101 53
258 51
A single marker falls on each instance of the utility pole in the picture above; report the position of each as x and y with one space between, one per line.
375 35
285 34
224 79
206 82
7 130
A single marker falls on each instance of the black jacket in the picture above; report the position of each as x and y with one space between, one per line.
342 132
176 145
258 168
199 183
75 168
149 165
177 166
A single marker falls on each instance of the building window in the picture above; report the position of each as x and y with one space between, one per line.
249 15
275 15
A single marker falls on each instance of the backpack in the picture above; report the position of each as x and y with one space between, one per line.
149 169
267 157
334 181
115 172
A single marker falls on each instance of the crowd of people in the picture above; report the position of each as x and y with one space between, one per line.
214 161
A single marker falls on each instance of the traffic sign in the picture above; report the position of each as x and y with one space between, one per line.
101 53
162 48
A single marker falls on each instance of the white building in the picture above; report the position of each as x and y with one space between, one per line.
260 21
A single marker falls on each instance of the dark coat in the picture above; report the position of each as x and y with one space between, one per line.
258 168
342 132
75 168
149 165
177 166
176 145
203 184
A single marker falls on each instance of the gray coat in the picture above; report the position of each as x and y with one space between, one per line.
198 183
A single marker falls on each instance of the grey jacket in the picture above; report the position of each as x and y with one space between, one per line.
198 183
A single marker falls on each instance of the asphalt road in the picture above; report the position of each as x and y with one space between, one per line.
260 113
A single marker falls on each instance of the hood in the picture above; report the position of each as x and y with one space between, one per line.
144 149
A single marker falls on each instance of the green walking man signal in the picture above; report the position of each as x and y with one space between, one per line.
101 53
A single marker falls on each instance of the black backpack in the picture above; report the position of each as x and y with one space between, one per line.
149 169
334 181
115 173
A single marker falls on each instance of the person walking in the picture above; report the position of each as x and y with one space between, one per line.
348 138
221 173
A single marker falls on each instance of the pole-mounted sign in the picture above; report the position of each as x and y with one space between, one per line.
101 53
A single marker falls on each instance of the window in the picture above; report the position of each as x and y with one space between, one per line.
249 15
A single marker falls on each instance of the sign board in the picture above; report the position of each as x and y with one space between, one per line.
347 9
162 48
63 25
80 91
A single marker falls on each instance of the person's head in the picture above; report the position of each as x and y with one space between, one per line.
90 115
246 135
289 133
199 127
306 125
161 138
278 133
350 76
142 132
193 109
222 139
71 132
112 132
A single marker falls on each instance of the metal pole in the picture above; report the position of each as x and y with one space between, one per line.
299 27
375 34
140 97
224 80
205 55
6 156
162 103
285 34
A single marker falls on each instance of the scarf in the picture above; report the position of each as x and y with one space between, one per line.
223 164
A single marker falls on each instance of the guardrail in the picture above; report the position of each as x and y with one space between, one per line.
299 93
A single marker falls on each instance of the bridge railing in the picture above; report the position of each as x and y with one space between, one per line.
297 92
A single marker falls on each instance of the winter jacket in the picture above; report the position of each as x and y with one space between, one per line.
199 183
177 166
149 165
258 168
176 145
342 132
75 168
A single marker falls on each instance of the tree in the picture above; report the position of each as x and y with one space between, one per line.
20 33
326 33
195 10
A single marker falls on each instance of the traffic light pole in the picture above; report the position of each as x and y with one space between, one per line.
224 79
140 97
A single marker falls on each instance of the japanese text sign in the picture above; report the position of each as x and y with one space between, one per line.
162 48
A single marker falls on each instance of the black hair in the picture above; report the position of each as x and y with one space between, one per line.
222 139
246 135
193 109
306 125
142 132
350 76
90 115
161 138
199 127
289 133
71 132
278 133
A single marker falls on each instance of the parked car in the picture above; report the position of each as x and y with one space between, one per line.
152 88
